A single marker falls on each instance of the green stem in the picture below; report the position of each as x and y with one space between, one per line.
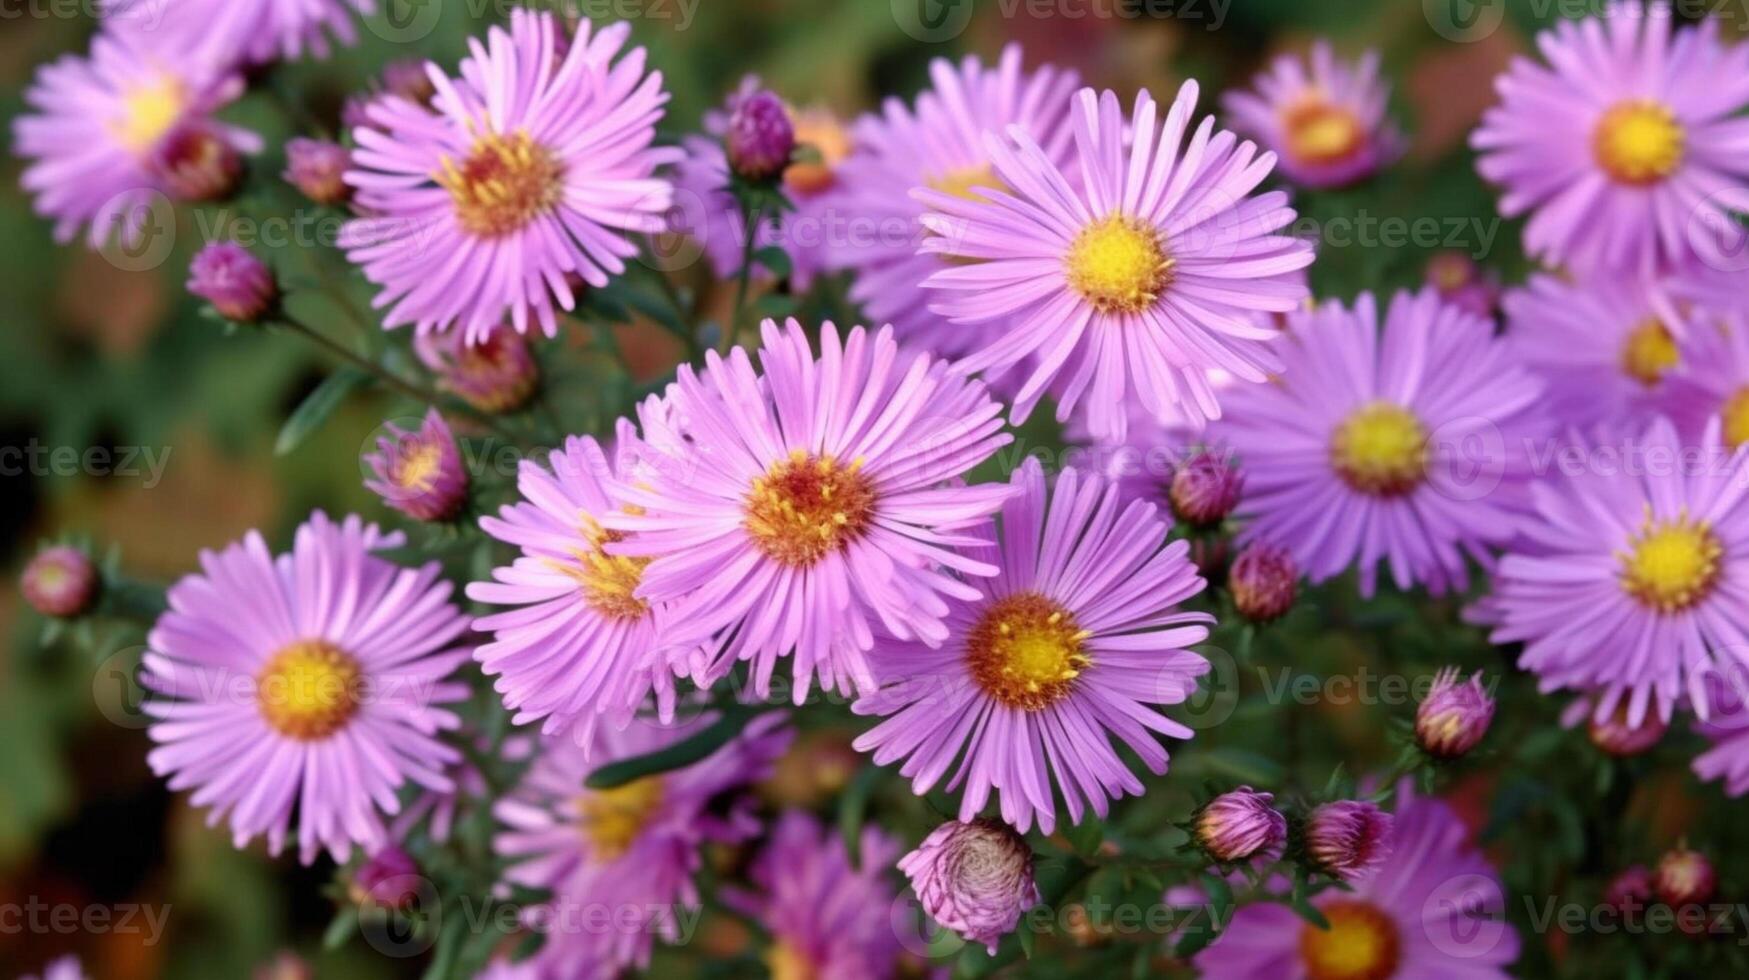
750 214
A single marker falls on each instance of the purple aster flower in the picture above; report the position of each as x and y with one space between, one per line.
409 79
60 581
528 170
1405 441
828 916
1240 823
237 284
1684 876
1711 379
1612 732
1348 839
313 680
1437 909
1205 487
1627 149
1264 581
1727 732
940 143
805 508
581 642
317 168
389 878
1063 651
1454 715
630 851
760 137
235 32
96 123
974 878
197 162
1464 283
419 472
1325 118
496 373
1131 282
1628 579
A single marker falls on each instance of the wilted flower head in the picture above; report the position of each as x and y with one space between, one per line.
1684 877
1263 582
235 282
389 878
59 581
1239 823
1348 838
1205 488
1454 716
316 168
974 878
419 472
760 137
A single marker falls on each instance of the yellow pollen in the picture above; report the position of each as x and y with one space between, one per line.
1321 133
821 130
1380 449
609 583
1639 142
419 465
152 110
1361 943
968 183
1026 651
612 818
786 962
1671 565
505 183
1650 350
806 507
309 690
1735 415
1119 265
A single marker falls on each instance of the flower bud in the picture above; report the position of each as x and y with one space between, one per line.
316 168
409 79
1461 282
1454 716
420 472
1617 737
1205 488
1348 838
60 581
496 375
196 163
389 878
1684 877
236 283
1630 889
1238 824
760 137
1264 582
974 878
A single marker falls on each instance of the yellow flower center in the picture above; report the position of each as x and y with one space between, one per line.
1639 142
1649 352
1671 565
309 690
1735 415
821 130
1321 133
1119 265
612 818
505 184
786 962
151 110
968 183
1026 651
1380 449
1361 943
418 465
807 506
609 583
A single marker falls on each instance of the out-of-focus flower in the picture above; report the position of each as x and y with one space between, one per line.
1325 118
760 136
533 170
419 472
60 581
237 284
1625 151
310 682
1126 284
1240 823
1398 442
65 968
1464 283
1348 839
1684 876
1205 487
1454 715
197 163
496 374
1264 581
389 878
237 32
1613 733
1067 649
1630 889
974 878
409 78
317 169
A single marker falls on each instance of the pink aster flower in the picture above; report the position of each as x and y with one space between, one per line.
1727 732
1348 838
496 373
580 643
1454 716
310 681
938 144
317 168
1711 378
1132 282
238 285
974 878
1627 150
95 126
527 171
1404 441
1436 909
235 32
829 915
620 862
1323 117
803 509
1630 577
60 581
1063 651
1240 823
419 472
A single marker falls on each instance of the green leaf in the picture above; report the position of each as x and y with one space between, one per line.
321 403
682 753
1086 836
853 807
773 257
1025 935
1302 905
341 929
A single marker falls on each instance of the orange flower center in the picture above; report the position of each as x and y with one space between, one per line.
1639 142
1027 651
806 507
1321 133
504 185
609 583
309 690
612 818
1361 943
